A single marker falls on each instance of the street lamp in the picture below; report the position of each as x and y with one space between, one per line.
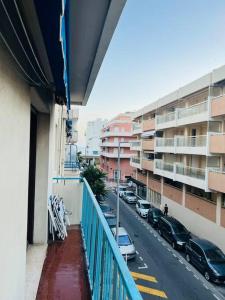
118 197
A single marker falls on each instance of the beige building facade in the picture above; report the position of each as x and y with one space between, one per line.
181 153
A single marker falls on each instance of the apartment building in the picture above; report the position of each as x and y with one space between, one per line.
93 137
180 154
44 60
117 132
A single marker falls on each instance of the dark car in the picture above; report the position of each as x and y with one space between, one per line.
153 216
207 258
105 208
173 231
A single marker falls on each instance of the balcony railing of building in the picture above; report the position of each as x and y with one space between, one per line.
108 274
179 115
191 141
135 143
136 160
192 110
165 118
164 142
179 168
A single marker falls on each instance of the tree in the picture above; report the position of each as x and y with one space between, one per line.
95 178
79 157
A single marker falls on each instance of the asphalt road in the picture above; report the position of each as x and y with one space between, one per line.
169 276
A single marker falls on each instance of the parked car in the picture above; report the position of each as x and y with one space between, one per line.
125 243
122 189
130 197
111 219
105 208
142 208
153 216
207 258
173 231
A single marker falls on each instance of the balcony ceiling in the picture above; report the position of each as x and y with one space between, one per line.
91 26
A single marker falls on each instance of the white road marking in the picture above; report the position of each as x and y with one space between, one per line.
137 252
141 258
174 255
205 286
196 276
216 297
181 261
188 268
144 267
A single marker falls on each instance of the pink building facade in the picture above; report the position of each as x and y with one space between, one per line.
119 129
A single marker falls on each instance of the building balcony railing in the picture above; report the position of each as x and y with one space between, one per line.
115 133
108 274
179 172
182 144
218 106
115 154
181 116
115 144
148 145
137 128
135 145
217 143
135 162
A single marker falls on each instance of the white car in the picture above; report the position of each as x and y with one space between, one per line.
122 189
125 244
142 208
130 197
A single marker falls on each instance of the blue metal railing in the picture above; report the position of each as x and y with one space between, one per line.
70 165
109 275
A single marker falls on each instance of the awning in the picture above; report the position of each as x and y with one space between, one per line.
148 133
137 181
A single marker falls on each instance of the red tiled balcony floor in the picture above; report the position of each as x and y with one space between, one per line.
63 276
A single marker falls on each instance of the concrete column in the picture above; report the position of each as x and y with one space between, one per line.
218 209
41 180
183 194
148 198
162 183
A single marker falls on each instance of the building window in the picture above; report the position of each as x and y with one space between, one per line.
200 193
154 197
223 201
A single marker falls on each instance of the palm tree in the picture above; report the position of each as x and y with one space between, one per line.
95 178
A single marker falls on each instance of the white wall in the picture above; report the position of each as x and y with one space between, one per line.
14 166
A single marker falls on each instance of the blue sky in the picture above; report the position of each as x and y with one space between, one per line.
158 46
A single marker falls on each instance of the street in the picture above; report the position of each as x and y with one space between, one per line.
158 270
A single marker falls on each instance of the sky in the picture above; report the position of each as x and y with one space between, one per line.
158 46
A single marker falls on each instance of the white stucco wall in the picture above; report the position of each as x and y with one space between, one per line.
14 165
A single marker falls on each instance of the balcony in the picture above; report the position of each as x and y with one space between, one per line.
148 145
135 145
185 174
148 124
217 143
182 116
115 144
193 114
216 179
147 164
108 275
165 121
115 154
218 106
135 162
137 128
115 133
182 144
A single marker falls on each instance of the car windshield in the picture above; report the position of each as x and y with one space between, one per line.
179 228
157 213
122 189
130 194
145 205
215 255
124 240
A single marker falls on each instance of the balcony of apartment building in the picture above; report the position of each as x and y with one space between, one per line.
218 101
135 162
217 143
216 179
147 161
135 145
88 263
148 144
136 128
182 173
182 144
114 154
115 132
109 143
182 116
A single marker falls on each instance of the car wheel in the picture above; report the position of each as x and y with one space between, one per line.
174 245
207 276
188 259
160 232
